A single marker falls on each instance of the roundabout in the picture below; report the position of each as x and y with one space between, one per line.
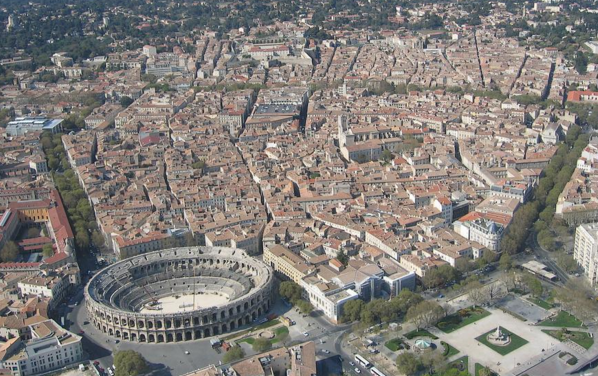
179 294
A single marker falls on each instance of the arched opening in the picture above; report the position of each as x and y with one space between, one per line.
132 323
118 334
140 324
259 311
222 315
224 328
133 337
160 338
125 335
240 322
197 334
104 328
151 338
247 319
159 324
215 331
188 336
179 337
232 325
110 331
246 305
169 337
142 338
177 323
253 316
206 332
150 325
168 324
196 321
116 321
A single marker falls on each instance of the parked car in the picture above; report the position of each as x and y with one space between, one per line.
357 370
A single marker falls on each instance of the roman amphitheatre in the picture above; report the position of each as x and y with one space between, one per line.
179 294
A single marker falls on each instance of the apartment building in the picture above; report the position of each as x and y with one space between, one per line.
585 250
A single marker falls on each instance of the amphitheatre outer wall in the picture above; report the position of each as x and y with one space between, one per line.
115 296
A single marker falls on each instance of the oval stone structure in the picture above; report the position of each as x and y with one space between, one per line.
179 294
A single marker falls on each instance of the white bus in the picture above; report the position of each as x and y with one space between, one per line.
361 361
376 372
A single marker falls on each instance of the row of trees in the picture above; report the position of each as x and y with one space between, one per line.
430 362
556 175
379 310
79 210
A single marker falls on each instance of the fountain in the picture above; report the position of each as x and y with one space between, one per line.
498 338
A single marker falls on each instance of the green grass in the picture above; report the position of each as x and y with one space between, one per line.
266 325
563 320
516 342
583 339
462 318
249 340
278 332
449 350
540 303
479 368
393 344
420 333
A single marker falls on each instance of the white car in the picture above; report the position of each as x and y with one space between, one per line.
306 334
186 352
326 351
357 370
351 364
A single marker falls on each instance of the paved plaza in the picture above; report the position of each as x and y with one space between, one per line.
465 340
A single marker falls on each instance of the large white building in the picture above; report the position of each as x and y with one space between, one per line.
51 347
585 250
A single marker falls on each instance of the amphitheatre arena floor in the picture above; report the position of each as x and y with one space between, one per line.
183 303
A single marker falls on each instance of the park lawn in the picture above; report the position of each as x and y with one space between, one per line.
583 339
516 342
249 340
455 321
393 344
540 303
278 332
265 325
563 320
479 368
420 333
451 350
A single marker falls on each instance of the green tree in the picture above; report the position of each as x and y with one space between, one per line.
581 63
485 372
352 310
408 364
9 252
97 239
126 101
130 363
48 250
505 262
290 291
304 306
387 156
235 353
342 257
261 344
